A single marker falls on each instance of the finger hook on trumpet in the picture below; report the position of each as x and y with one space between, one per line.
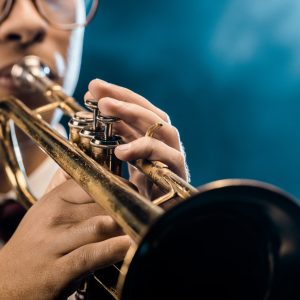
233 239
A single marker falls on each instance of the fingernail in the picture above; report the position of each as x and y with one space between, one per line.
124 147
103 81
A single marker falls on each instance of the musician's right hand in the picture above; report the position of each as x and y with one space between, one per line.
63 237
137 115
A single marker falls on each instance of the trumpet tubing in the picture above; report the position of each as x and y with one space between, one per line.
232 239
89 154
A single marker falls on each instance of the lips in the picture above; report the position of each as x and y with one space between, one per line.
7 82
5 77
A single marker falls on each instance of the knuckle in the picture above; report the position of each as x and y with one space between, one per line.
146 145
175 136
174 132
100 226
97 226
82 261
179 158
165 117
172 136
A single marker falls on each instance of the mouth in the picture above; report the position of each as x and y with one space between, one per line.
7 81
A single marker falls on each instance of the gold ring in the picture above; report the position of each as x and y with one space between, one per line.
152 129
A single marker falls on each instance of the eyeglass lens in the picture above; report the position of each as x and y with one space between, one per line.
59 12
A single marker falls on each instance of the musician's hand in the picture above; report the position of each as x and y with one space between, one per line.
61 238
137 115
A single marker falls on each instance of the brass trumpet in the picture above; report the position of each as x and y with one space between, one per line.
231 239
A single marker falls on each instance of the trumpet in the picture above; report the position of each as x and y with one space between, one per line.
229 239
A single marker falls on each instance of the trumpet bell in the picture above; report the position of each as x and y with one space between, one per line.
231 239
234 240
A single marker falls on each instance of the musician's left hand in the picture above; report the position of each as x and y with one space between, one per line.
137 115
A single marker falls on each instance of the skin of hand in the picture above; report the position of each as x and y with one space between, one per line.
62 238
137 114
66 234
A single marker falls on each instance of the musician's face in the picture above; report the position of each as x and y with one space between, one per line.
25 32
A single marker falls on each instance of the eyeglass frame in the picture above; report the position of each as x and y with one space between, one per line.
9 5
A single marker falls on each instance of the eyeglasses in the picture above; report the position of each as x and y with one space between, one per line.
62 14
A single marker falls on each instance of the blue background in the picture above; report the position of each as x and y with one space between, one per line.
227 73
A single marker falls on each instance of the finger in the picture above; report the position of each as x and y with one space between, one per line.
96 229
95 256
88 95
63 215
68 203
100 89
77 213
127 133
120 128
153 149
140 119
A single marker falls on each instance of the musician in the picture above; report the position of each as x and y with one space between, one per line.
66 235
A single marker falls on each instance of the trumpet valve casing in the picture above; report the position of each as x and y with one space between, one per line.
86 135
103 151
79 121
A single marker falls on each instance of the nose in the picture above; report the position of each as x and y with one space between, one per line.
24 25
